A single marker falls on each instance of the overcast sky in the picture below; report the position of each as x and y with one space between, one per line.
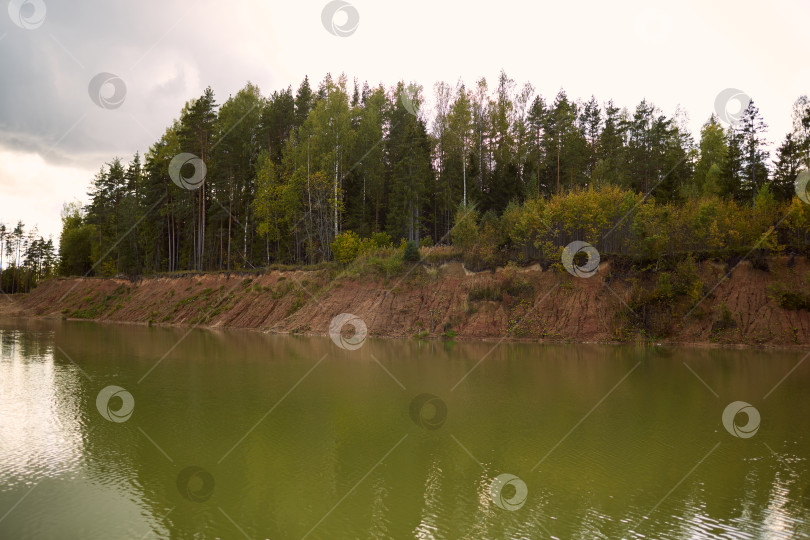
53 137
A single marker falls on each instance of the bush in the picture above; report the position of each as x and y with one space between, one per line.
687 280
664 289
789 300
515 284
725 320
346 247
621 221
486 291
794 301
427 241
411 253
465 229
378 240
441 254
387 264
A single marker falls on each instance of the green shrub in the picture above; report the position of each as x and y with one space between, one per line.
465 229
441 254
298 303
378 240
517 286
664 289
411 253
487 291
514 283
346 247
388 264
725 320
687 280
790 300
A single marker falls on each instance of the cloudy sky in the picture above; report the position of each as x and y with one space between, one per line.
53 137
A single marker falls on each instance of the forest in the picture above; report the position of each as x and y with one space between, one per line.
26 258
501 173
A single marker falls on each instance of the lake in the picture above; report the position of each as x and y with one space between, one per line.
117 431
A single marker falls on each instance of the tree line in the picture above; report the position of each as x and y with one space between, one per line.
286 174
26 258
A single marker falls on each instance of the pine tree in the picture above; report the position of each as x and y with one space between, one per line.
536 121
304 101
591 120
731 174
713 153
278 119
754 172
504 184
231 177
366 180
409 152
788 165
197 131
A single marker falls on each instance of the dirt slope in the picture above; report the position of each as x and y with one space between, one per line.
447 301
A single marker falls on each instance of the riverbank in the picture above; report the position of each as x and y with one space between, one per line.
759 304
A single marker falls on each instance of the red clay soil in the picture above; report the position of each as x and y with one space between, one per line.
446 301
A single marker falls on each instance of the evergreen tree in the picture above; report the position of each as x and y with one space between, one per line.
591 121
504 184
286 173
788 165
231 175
304 101
713 153
731 174
197 131
365 210
754 170
409 152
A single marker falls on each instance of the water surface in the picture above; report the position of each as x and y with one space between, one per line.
243 435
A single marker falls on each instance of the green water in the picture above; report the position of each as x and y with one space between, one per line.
243 435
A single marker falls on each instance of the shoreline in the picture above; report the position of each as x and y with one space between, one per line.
493 340
446 302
